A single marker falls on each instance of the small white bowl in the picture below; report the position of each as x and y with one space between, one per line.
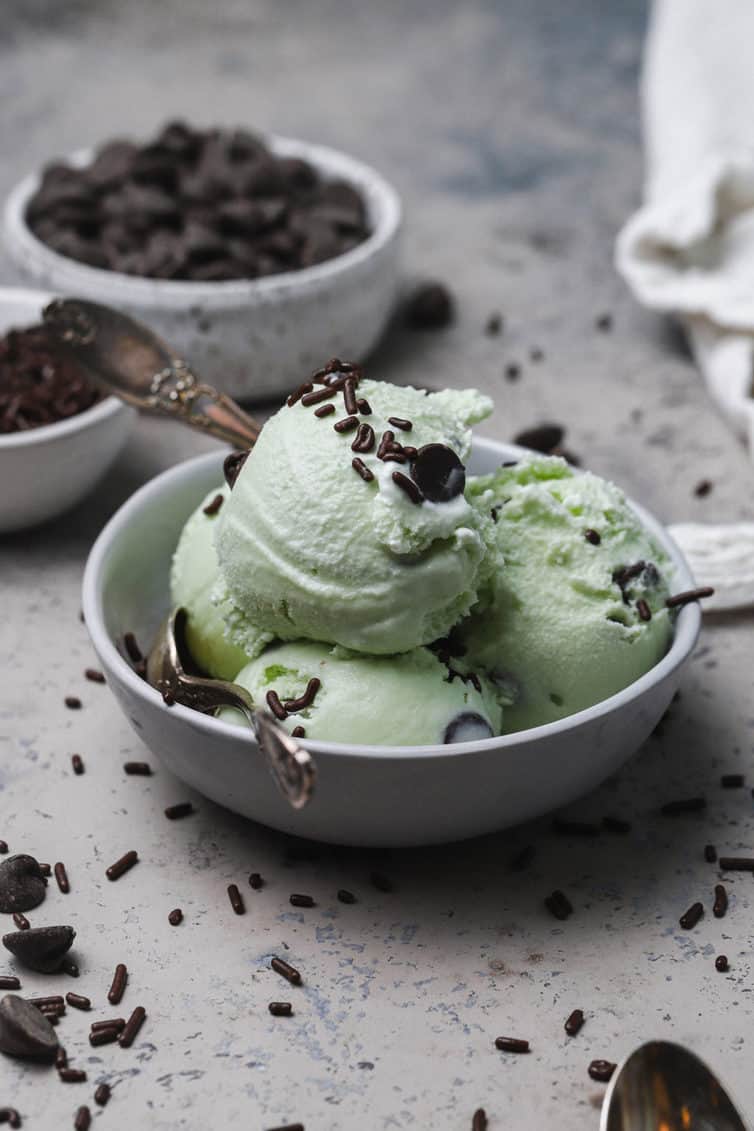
45 470
250 337
369 795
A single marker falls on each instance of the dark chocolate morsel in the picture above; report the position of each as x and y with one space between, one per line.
467 727
439 473
40 948
430 307
22 884
25 1031
544 438
232 467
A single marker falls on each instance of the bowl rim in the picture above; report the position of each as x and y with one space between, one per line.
686 632
378 192
49 433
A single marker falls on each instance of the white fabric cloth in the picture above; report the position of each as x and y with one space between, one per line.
689 251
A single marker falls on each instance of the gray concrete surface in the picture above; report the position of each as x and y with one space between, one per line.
511 129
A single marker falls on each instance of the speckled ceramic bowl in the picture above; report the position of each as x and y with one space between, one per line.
370 795
250 337
44 471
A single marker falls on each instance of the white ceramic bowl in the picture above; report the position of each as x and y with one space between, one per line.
370 795
45 470
250 337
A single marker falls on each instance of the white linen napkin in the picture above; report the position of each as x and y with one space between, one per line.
689 251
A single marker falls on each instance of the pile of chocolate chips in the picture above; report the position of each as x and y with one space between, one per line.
202 205
37 386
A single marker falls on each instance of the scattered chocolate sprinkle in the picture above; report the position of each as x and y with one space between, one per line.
439 472
102 1094
345 896
616 825
78 1001
479 1120
297 900
689 596
132 648
574 828
511 1044
277 708
593 536
690 918
305 700
512 371
45 869
298 393
720 905
365 439
703 488
280 966
255 881
83 1120
364 406
710 853
123 865
559 905
542 438
604 322
399 422
134 1023
61 1058
601 1070
236 900
214 506
175 917
429 307
182 809
104 1036
40 948
347 424
410 452
319 395
94 675
118 986
686 805
280 1008
381 882
361 469
523 858
62 878
408 487
232 466
21 921
9 982
643 609
77 763
737 864
325 410
395 455
494 325
574 1022
52 1001
349 396
298 732
387 441
142 769
626 574
73 702
70 968
721 964
288 1127
72 1075
116 1023
732 781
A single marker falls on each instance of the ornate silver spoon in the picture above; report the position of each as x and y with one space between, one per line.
291 766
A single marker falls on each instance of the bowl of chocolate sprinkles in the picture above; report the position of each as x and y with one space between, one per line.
255 256
365 795
58 435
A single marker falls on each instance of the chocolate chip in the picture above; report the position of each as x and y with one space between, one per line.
430 307
467 727
25 1031
232 467
439 473
40 948
22 884
544 438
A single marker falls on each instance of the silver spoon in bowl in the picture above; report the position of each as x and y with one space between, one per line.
662 1086
291 766
126 358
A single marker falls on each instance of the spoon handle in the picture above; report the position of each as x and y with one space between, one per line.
175 391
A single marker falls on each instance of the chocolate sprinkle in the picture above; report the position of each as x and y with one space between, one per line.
134 1023
298 732
236 900
601 1070
643 609
255 881
399 422
62 878
364 406
297 900
83 1120
387 441
593 536
232 466
182 809
690 918
686 805
73 703
349 396
107 1035
141 769
479 1120
721 964
175 917
720 905
78 1001
430 307
21 921
347 424
280 1008
102 1094
214 506
123 865
710 853
408 487
280 966
94 675
689 596
277 708
298 393
9 982
116 1023
77 764
511 1044
559 905
318 395
305 700
736 864
117 989
574 1022
325 410
365 439
72 1075
345 896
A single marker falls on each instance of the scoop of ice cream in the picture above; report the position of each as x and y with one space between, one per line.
312 546
195 583
405 700
577 610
